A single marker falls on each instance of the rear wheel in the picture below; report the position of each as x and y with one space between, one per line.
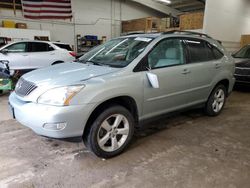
216 101
111 132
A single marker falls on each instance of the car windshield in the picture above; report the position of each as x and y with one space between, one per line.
117 52
243 52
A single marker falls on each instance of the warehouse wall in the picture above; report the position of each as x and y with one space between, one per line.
98 17
227 20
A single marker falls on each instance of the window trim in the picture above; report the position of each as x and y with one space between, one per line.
141 66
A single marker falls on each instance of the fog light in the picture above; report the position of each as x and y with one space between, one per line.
55 126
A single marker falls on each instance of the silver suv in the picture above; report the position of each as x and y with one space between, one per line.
115 86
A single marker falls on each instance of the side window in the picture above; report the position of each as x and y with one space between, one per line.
39 47
168 52
18 47
198 51
217 54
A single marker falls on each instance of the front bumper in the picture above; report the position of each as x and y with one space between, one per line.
35 116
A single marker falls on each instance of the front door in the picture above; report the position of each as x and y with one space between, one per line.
167 62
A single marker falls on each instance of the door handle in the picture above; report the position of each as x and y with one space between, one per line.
186 71
52 54
217 65
25 54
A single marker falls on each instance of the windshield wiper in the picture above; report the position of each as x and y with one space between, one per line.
96 63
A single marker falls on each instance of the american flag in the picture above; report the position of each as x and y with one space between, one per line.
47 9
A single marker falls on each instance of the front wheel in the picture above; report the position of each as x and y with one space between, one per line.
216 101
111 132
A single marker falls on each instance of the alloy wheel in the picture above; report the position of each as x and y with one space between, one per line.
113 132
219 99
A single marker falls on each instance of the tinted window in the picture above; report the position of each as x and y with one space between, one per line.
168 52
39 47
18 47
64 46
217 53
198 51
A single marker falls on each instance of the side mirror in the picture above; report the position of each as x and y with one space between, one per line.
153 80
4 51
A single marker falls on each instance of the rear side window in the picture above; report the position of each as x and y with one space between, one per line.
39 47
17 47
198 51
202 51
64 46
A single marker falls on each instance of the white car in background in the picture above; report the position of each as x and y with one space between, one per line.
29 55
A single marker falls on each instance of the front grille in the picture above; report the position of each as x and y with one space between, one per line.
242 78
242 71
24 87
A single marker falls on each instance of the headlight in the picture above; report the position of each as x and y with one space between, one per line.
60 96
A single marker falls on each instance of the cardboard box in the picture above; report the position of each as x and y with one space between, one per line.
8 23
21 25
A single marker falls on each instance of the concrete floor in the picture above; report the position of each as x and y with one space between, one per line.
188 150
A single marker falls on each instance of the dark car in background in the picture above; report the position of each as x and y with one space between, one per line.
242 66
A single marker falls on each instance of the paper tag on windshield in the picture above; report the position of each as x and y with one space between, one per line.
143 39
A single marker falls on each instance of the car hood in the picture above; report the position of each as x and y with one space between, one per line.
245 63
66 74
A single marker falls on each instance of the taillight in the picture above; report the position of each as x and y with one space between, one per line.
72 54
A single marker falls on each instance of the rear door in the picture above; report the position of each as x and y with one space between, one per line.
203 68
41 54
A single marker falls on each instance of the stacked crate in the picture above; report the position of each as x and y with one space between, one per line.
191 21
145 25
245 39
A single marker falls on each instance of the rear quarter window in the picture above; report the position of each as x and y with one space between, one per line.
217 53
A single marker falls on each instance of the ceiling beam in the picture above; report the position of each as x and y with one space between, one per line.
189 9
158 6
178 2
188 4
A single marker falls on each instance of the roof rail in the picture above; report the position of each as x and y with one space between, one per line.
187 33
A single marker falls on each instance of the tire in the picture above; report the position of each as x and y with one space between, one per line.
1 91
103 138
216 101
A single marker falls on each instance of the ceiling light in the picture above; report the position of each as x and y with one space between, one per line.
165 1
